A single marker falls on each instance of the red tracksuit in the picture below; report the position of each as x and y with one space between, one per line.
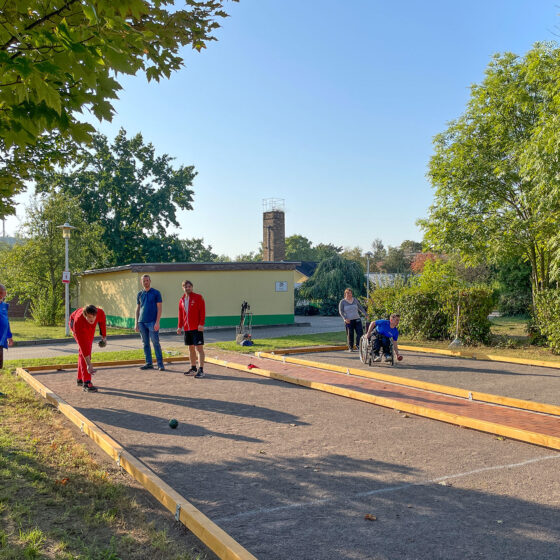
84 332
195 316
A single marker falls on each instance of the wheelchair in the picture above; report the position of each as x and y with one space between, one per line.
366 350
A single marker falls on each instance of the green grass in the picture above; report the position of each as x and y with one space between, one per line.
25 329
510 326
271 344
57 502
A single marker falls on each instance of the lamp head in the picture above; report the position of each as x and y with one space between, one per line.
66 230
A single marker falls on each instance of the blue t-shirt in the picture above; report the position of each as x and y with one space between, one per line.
384 327
148 301
5 331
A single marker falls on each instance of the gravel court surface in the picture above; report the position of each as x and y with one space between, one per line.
532 383
291 473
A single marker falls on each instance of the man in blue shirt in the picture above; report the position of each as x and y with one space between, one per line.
148 314
386 330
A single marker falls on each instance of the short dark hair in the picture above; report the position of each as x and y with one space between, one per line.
185 282
90 310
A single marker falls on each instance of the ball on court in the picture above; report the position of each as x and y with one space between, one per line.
173 423
399 358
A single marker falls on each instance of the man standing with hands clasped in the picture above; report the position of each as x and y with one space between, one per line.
148 314
192 314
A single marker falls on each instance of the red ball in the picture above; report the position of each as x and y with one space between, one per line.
399 357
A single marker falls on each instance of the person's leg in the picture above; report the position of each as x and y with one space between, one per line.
192 355
154 335
350 335
201 355
82 367
385 342
359 331
145 334
376 345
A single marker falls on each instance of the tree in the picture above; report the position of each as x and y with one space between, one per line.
299 248
496 170
196 251
58 59
132 193
32 269
331 277
379 254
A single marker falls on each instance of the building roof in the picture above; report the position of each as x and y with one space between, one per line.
177 267
306 267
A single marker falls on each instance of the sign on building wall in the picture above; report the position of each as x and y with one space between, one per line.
281 286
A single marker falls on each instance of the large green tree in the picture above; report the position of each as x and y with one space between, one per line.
59 58
331 277
32 269
131 192
496 169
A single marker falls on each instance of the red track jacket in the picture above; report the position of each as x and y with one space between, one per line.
196 315
84 332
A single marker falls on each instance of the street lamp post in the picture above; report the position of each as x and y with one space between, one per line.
66 230
369 254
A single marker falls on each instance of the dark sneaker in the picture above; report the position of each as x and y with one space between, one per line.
89 388
191 371
376 358
79 382
199 374
147 366
161 368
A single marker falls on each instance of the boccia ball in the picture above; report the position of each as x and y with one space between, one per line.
102 343
399 358
173 423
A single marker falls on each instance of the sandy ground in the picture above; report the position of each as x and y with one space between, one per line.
291 473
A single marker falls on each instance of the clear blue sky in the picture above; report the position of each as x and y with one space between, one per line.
331 105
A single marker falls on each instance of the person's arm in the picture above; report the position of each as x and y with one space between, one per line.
102 322
181 318
136 318
342 312
370 329
361 309
396 347
202 317
159 307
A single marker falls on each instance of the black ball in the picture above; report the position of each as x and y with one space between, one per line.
173 423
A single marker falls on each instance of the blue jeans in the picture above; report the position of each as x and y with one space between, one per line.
147 332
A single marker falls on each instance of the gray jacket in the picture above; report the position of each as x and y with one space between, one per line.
350 311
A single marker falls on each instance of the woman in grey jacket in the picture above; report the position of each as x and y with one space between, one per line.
350 309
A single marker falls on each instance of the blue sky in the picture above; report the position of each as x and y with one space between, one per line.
330 105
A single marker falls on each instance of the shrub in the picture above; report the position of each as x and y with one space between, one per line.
430 313
547 320
47 309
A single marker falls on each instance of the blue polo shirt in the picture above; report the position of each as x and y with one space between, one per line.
384 327
148 301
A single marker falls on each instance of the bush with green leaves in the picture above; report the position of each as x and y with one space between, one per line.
428 305
47 308
547 320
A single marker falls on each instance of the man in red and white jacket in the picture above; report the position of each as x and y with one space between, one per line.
82 324
192 314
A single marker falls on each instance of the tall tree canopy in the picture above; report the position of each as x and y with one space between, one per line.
496 169
33 268
131 192
61 57
331 277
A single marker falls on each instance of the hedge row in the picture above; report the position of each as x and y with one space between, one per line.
432 313
547 311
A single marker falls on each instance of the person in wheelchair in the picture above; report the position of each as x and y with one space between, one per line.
385 331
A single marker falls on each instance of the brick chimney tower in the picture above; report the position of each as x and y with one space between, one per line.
274 236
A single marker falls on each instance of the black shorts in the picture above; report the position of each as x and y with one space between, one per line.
194 338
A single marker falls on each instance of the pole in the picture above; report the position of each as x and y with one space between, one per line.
367 279
66 291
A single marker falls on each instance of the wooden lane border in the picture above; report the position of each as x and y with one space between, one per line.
425 385
471 354
215 538
527 436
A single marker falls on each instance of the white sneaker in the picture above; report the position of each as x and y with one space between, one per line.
376 358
